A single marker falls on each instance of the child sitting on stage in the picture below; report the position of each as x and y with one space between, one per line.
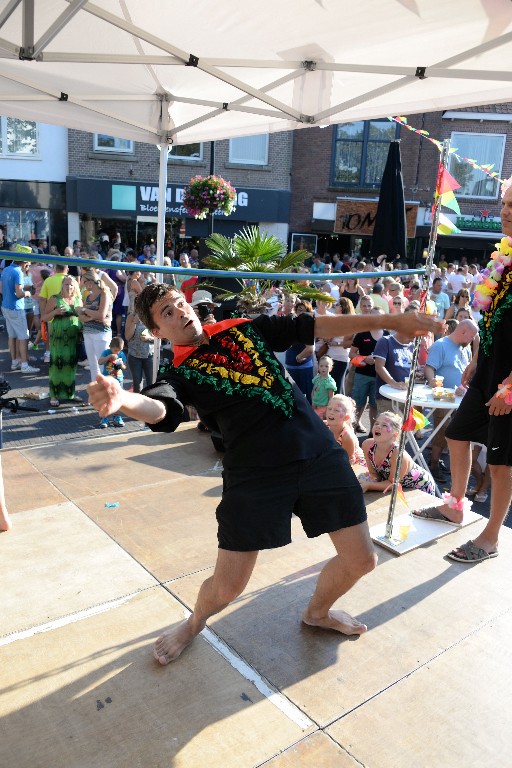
324 386
339 417
381 453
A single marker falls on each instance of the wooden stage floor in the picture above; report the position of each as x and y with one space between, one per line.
87 587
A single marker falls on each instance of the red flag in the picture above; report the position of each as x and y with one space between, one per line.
409 424
445 181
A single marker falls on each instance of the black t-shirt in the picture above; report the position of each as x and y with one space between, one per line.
365 344
240 389
492 369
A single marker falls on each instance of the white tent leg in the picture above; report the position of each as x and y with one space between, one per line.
160 232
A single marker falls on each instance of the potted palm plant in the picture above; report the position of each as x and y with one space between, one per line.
252 250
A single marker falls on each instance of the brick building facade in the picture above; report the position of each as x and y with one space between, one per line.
312 182
263 189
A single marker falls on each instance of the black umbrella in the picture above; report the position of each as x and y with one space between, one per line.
389 232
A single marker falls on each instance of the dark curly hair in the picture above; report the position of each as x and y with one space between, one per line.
148 297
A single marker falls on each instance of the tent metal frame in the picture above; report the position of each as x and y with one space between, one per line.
35 51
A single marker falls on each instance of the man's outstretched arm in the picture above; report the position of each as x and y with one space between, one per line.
409 323
107 396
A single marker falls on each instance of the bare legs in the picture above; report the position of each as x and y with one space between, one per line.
5 522
232 573
460 466
355 557
501 497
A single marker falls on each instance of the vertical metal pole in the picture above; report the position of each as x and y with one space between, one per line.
212 173
425 286
160 231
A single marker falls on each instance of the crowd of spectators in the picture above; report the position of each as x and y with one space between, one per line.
74 313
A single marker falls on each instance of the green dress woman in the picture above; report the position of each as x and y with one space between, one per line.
64 335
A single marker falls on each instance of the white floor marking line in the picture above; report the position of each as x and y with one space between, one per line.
277 699
249 673
65 620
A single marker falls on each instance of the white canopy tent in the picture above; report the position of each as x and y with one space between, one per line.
151 70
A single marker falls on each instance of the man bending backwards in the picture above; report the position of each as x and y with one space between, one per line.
229 373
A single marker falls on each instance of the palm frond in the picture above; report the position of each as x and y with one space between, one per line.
252 250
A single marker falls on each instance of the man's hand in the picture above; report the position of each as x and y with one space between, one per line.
398 385
417 324
498 407
468 374
105 394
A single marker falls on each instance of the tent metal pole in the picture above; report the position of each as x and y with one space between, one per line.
160 232
436 209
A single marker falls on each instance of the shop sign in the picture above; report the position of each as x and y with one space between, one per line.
148 200
106 198
479 225
357 217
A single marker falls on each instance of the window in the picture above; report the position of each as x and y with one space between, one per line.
483 148
192 152
249 150
24 225
18 138
360 152
104 143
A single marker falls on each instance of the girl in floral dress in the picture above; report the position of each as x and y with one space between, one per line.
381 452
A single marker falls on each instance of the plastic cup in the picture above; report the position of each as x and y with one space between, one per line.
404 530
438 381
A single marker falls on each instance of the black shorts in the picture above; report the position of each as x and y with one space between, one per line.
257 503
472 422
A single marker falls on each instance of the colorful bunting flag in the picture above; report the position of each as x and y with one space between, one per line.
485 168
446 226
446 182
401 495
415 420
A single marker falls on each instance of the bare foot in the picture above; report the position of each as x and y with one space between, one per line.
337 620
5 521
172 643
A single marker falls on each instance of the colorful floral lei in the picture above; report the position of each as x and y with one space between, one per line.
492 294
205 195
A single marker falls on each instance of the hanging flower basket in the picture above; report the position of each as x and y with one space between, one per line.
206 194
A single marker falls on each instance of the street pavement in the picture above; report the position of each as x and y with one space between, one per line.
24 429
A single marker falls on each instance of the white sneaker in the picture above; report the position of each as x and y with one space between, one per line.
15 365
83 363
29 369
46 358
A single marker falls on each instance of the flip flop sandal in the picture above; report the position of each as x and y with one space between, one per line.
79 401
54 403
432 513
472 553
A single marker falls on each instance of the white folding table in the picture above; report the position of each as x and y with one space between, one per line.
422 397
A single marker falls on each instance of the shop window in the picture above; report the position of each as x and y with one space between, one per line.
22 225
483 148
18 138
249 150
360 151
192 152
104 143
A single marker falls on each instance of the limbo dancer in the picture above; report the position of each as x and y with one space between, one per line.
484 415
280 457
